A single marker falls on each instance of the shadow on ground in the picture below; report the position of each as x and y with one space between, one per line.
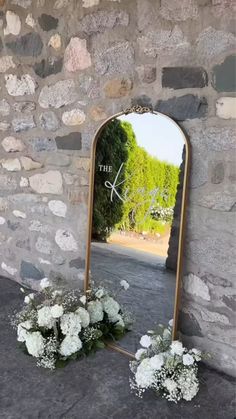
94 388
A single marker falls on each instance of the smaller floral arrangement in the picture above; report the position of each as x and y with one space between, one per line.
165 366
56 325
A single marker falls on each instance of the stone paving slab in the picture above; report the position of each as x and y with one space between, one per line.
94 388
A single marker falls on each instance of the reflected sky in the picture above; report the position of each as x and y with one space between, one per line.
158 135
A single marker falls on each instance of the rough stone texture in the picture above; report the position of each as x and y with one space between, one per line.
48 67
29 271
25 85
184 77
71 141
27 45
48 183
49 121
183 107
101 21
65 240
224 75
12 165
60 94
114 54
23 123
76 55
226 107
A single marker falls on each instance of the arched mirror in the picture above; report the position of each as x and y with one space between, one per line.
138 186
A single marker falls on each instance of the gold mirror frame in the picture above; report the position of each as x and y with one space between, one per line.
141 110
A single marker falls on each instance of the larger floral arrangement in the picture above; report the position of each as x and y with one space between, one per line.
165 366
56 326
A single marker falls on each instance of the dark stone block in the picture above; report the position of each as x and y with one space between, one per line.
1 45
230 302
77 263
217 173
29 271
47 22
47 67
43 144
26 45
184 77
224 75
71 141
142 100
183 107
23 244
13 225
189 325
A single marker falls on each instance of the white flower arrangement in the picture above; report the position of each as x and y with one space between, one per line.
165 366
56 326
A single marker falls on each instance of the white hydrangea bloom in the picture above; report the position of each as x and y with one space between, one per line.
70 345
35 344
70 324
145 374
117 319
145 341
45 318
110 306
44 283
188 359
157 361
176 348
189 384
124 284
99 293
22 330
57 311
84 316
29 298
95 310
171 385
139 353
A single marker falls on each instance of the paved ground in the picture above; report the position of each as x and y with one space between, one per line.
94 388
150 297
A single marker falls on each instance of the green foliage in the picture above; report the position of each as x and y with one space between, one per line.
149 184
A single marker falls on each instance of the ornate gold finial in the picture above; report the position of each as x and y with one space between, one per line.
138 109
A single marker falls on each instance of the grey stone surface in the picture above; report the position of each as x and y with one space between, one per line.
184 77
217 172
23 123
78 263
118 58
29 271
183 107
24 107
49 121
70 141
43 144
48 67
224 75
60 94
28 391
47 22
27 45
102 20
147 73
142 100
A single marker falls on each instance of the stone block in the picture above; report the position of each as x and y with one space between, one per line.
48 183
12 145
101 21
58 208
29 164
76 56
118 58
226 107
147 73
73 117
217 172
12 165
6 63
45 68
196 287
70 141
43 144
183 107
62 93
184 77
24 107
29 271
117 88
23 123
224 75
20 87
212 42
29 45
189 324
4 107
47 22
66 241
49 121
13 23
142 100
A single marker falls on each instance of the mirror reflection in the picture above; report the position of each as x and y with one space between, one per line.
139 170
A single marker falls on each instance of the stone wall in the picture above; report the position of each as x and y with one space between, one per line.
65 66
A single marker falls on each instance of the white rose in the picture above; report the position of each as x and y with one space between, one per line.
70 324
57 311
95 311
139 353
70 345
145 374
145 341
45 318
22 330
35 344
176 348
188 359
110 306
44 283
84 316
124 284
157 361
